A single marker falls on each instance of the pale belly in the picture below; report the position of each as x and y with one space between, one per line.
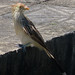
24 38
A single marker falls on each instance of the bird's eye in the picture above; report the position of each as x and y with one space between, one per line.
20 7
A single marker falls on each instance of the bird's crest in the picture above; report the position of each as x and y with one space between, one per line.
18 5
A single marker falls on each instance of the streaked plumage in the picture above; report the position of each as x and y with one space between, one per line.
26 30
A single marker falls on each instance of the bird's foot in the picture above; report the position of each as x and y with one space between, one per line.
24 46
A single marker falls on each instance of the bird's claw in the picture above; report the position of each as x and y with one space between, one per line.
24 46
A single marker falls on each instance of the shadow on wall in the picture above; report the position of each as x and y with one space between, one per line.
63 48
36 62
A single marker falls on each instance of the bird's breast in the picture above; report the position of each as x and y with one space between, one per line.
21 34
24 38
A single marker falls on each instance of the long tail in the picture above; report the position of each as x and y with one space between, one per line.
58 65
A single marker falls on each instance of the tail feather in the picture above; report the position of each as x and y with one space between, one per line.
51 56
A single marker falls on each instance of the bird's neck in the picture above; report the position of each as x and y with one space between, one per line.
18 15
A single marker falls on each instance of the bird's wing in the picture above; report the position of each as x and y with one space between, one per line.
31 31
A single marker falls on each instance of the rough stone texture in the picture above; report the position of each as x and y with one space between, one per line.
50 20
70 3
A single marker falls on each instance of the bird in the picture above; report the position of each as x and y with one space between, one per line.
27 32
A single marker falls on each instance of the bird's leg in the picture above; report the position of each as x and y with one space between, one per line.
24 46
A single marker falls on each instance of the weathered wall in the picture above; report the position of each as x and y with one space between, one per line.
56 2
35 62
64 2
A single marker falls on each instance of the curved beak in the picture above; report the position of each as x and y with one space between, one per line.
26 8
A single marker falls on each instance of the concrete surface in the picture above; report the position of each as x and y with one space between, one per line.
50 20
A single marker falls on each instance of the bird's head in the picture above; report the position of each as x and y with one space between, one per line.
19 7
